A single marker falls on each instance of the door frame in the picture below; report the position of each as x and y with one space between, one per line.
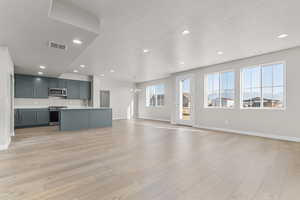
179 121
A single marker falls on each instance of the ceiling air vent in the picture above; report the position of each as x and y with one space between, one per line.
56 45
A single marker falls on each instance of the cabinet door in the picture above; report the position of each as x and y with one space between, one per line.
17 118
85 90
73 91
40 87
24 86
53 83
62 83
42 117
28 117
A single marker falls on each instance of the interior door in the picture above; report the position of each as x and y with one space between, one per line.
185 100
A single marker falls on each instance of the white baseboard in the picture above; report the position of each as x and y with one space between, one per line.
270 136
154 119
5 146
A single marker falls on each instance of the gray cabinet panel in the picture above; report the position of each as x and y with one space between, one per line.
42 117
73 91
17 116
24 87
28 117
40 87
62 83
74 120
85 90
78 119
100 118
53 83
31 117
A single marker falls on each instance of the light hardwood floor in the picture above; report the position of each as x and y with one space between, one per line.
146 160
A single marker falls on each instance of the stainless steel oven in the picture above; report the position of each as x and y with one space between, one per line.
57 92
54 115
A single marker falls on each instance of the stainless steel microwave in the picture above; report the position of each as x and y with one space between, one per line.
58 92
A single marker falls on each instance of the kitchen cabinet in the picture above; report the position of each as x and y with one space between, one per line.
31 117
53 82
42 117
31 87
24 86
62 83
73 89
40 85
27 86
85 90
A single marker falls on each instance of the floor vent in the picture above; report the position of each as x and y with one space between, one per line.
56 45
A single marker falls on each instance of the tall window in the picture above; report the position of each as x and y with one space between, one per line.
263 86
155 95
220 90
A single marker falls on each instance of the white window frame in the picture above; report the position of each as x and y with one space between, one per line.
261 104
155 106
206 92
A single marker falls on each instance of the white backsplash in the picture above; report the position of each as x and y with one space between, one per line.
52 101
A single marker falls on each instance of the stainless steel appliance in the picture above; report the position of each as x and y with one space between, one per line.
57 92
54 114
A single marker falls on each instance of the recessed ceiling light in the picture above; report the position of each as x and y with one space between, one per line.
146 50
40 73
76 41
82 66
186 32
75 70
102 75
112 71
282 36
220 52
42 67
182 63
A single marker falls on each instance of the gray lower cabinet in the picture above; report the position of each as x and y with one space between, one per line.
31 117
42 117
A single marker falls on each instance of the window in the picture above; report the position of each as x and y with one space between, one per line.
220 90
263 86
155 95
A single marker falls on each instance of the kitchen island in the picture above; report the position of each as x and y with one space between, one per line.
84 118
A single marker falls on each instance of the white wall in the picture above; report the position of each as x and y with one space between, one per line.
155 113
6 107
121 96
282 124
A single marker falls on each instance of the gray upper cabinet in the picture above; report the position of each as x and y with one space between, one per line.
27 86
53 82
40 85
85 90
73 91
62 83
24 86
31 87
